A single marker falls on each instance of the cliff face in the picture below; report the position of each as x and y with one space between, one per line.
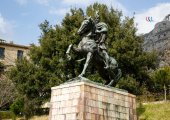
159 40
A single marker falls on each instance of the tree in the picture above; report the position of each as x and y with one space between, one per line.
7 89
7 92
161 78
32 86
134 62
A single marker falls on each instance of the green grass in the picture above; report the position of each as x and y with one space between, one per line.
159 111
42 117
7 115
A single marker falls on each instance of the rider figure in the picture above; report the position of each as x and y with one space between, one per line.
100 38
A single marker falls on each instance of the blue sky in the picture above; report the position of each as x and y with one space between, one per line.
19 19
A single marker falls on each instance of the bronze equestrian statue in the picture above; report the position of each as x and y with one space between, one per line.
94 35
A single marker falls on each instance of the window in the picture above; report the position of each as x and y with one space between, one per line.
20 54
2 53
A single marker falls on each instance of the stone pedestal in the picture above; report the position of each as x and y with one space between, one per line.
86 100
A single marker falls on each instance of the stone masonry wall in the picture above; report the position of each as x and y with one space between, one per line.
85 100
11 54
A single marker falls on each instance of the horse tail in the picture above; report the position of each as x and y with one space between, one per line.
119 75
116 79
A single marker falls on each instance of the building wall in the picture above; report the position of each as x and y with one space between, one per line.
10 54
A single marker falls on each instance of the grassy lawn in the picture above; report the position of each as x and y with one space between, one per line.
159 111
43 117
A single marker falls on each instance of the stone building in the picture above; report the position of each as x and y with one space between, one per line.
159 38
10 52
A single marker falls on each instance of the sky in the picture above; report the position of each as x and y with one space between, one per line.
19 19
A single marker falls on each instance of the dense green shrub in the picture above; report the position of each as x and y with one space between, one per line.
17 107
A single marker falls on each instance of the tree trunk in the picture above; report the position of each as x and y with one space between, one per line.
164 93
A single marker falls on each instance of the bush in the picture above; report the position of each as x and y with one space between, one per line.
130 84
7 115
17 107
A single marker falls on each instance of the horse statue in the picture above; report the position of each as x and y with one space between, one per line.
89 46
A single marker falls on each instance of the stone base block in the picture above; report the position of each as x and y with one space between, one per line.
86 100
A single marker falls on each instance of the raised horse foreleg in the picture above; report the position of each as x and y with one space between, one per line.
71 47
68 51
89 56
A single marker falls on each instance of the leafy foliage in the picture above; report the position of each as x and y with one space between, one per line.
17 107
31 85
161 79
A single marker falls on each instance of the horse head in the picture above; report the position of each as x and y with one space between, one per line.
86 26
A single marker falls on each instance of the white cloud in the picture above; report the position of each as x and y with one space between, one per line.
21 2
5 29
81 3
61 11
157 13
